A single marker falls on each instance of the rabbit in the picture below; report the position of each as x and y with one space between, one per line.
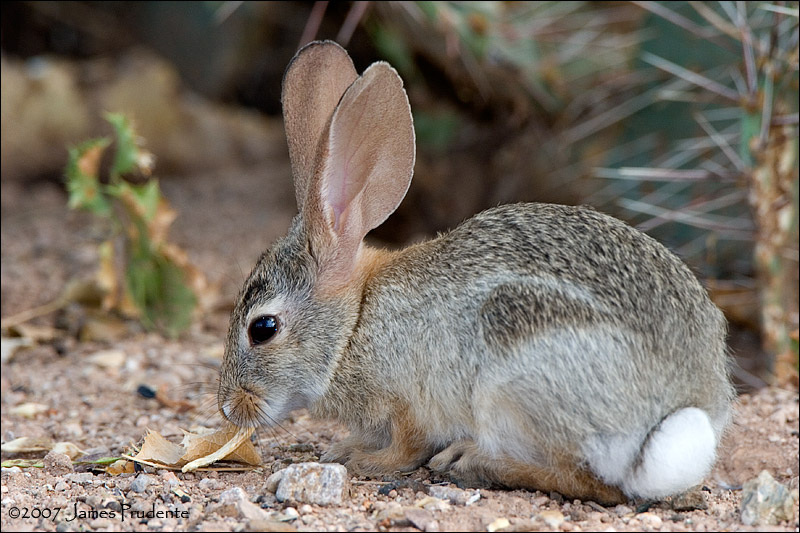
534 346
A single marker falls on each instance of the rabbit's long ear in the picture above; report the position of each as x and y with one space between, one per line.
314 83
365 167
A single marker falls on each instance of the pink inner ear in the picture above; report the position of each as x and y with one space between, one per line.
344 182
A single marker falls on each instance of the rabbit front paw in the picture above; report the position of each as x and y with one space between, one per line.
382 462
341 451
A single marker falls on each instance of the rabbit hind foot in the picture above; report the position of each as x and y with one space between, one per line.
469 465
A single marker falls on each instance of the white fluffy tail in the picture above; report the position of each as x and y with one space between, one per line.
678 454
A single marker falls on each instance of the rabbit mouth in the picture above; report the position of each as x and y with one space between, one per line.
246 407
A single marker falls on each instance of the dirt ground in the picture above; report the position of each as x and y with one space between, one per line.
224 223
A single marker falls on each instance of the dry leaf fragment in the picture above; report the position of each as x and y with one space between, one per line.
200 445
9 347
27 444
69 449
242 436
199 449
157 448
120 467
29 410
109 359
38 444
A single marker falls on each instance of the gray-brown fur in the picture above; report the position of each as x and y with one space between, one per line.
546 325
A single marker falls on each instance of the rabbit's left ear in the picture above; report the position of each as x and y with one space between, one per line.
366 164
313 85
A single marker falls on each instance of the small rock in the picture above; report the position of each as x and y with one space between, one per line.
765 501
83 478
61 486
206 484
497 525
271 485
421 519
393 516
269 525
139 484
552 518
455 496
315 483
100 524
235 503
651 520
11 470
171 479
305 509
622 510
431 503
290 513
110 359
57 464
64 527
692 500
233 495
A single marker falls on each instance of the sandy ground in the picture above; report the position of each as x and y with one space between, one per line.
93 402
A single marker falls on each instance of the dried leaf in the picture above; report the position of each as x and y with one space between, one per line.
121 466
157 448
241 437
68 448
109 359
27 445
29 410
9 346
198 449
198 446
36 333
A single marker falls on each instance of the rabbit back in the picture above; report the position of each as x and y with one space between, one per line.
542 329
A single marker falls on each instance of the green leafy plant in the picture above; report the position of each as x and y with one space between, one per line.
157 285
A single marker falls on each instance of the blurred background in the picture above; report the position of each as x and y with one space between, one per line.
679 117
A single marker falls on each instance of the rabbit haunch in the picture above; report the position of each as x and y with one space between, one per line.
534 346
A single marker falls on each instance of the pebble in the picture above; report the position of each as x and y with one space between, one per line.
61 486
171 479
497 525
765 501
82 478
271 485
651 520
622 510
421 519
140 483
109 359
57 464
455 496
431 503
206 484
691 500
552 518
315 483
235 502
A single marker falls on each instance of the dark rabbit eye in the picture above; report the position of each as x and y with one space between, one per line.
262 329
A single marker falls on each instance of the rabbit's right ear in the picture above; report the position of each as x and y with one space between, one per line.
314 82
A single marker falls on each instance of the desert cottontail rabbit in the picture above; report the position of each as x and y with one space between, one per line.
534 346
